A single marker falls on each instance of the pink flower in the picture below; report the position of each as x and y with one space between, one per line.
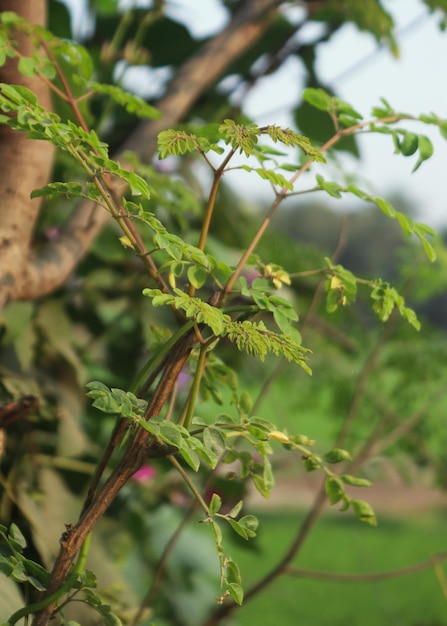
144 474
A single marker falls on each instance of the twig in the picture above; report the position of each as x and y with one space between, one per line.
369 577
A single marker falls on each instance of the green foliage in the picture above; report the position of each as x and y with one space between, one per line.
409 227
202 305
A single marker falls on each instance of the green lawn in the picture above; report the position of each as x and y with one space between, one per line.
340 544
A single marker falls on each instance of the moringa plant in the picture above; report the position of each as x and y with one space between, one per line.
207 303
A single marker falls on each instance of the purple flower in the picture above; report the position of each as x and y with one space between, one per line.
183 379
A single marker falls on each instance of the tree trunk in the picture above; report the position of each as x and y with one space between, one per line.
25 164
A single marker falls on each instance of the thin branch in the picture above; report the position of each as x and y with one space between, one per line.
135 455
161 567
310 316
284 192
369 577
55 261
362 381
280 568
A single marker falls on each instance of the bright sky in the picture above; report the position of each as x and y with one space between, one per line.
415 83
360 74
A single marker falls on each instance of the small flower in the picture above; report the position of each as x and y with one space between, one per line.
183 380
145 474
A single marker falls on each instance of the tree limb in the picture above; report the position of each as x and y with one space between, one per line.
55 261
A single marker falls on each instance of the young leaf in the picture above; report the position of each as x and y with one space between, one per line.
337 455
233 574
240 530
331 188
317 98
175 143
242 138
334 489
425 151
236 592
364 512
214 439
250 523
170 434
132 103
16 535
236 509
312 463
354 481
215 504
191 457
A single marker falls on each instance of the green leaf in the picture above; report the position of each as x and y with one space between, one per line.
385 111
261 485
331 188
196 276
242 138
409 144
53 190
132 103
240 530
358 192
16 534
18 94
250 523
334 489
111 620
217 532
255 339
232 573
191 457
354 481
312 463
425 151
175 143
170 434
236 592
429 250
289 137
236 509
406 223
195 308
27 66
364 512
337 455
215 504
317 98
385 206
213 439
274 177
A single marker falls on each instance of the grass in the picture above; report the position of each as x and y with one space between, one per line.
343 545
339 543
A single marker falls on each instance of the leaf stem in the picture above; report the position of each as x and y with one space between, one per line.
185 419
65 588
190 483
369 577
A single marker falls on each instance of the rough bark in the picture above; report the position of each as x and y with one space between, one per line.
23 277
24 165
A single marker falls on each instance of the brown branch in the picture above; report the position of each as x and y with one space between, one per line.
55 261
369 577
138 451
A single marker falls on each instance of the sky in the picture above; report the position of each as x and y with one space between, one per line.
361 74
